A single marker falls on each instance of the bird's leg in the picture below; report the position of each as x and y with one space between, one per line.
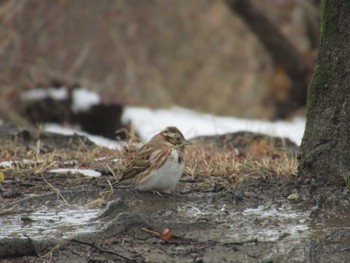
158 193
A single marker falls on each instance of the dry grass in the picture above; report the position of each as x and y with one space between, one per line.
205 163
30 160
226 167
30 173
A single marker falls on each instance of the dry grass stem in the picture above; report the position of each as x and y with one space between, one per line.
55 189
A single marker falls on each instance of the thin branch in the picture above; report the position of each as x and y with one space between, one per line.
103 249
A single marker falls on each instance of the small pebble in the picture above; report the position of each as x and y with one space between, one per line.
293 197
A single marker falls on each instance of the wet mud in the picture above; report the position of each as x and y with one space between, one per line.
243 226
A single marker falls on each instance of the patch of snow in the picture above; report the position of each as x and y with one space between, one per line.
98 140
148 122
86 172
101 159
41 93
84 99
6 164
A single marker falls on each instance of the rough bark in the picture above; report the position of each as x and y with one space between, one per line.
283 53
325 148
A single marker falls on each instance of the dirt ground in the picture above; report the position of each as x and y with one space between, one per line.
262 219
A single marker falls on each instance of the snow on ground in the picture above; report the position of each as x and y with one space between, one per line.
6 164
84 99
148 122
86 172
99 140
43 93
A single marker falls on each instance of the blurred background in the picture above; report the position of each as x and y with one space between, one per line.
249 59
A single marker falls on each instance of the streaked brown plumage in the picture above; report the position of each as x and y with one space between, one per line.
159 164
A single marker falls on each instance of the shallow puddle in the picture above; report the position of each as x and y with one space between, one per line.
264 223
45 222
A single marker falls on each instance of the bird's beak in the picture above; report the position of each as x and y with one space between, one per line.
187 142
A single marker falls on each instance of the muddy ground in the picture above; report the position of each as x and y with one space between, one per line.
74 218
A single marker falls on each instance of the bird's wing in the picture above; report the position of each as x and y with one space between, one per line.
139 163
134 168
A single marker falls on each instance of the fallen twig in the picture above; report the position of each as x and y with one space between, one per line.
154 233
103 249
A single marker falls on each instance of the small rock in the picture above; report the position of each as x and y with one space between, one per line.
26 219
180 248
293 197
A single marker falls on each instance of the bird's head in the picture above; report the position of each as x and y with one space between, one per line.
173 136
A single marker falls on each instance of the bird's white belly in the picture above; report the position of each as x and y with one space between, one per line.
167 176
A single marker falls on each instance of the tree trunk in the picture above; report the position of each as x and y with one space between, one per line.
325 148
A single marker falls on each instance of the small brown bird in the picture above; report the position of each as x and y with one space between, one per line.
159 164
